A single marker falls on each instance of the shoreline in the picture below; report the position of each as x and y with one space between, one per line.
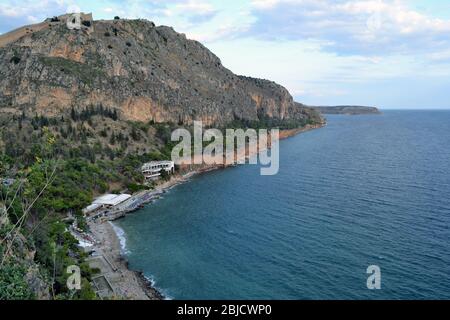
121 281
132 284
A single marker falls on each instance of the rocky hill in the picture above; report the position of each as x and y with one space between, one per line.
144 72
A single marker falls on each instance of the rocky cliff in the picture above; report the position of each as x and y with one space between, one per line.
142 71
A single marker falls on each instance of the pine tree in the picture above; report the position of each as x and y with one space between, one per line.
112 140
134 134
73 114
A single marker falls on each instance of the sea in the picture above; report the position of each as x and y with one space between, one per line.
367 190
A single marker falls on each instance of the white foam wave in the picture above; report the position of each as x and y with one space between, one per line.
121 236
153 284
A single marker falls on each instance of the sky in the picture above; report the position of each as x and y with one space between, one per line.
393 54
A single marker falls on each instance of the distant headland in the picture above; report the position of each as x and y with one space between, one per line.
349 110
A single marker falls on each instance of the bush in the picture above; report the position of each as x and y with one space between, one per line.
15 60
116 18
134 187
164 133
12 283
165 175
96 271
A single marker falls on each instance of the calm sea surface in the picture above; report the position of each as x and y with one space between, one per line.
365 190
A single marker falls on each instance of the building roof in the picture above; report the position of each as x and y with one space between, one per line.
151 164
92 207
111 199
159 162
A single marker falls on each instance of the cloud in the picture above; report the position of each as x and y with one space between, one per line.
17 14
226 30
196 11
440 57
351 27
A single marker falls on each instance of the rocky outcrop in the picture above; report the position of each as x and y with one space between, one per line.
143 71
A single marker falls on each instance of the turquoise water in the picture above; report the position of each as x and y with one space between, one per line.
365 190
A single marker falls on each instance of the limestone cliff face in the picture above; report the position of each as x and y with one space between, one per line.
143 71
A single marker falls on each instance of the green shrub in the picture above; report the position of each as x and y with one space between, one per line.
12 283
15 60
134 187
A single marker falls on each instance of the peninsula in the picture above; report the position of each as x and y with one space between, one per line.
348 110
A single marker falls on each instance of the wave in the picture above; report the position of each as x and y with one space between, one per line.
120 233
152 282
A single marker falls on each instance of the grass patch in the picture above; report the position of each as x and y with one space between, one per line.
86 73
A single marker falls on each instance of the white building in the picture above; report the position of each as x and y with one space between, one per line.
152 170
111 200
106 201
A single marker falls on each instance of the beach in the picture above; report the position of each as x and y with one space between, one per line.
125 283
120 281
